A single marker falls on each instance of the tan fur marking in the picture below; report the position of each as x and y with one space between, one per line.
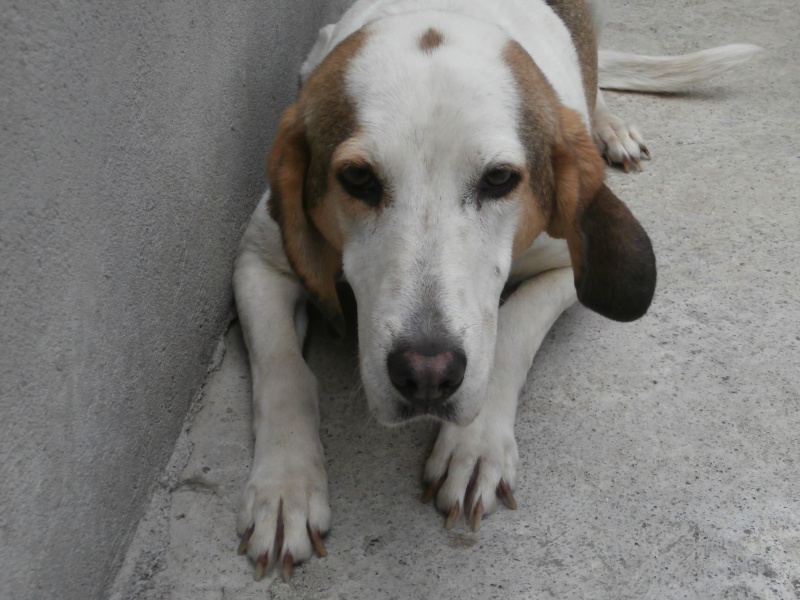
538 126
430 40
611 255
328 113
299 173
578 167
579 173
565 169
591 167
532 222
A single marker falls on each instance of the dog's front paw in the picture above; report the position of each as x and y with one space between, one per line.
470 468
284 512
620 142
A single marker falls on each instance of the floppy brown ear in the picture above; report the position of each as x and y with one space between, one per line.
612 257
315 261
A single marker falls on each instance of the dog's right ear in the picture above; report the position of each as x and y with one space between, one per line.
612 257
314 260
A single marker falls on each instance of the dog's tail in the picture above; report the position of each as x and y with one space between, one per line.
637 73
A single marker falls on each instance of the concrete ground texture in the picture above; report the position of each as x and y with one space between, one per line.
658 459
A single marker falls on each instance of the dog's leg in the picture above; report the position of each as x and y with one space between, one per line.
597 12
471 465
619 142
284 510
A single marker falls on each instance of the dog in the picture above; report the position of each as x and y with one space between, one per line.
440 153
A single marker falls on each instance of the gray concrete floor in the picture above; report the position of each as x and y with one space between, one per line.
659 459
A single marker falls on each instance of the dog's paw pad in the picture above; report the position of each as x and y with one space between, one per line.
282 520
620 143
468 473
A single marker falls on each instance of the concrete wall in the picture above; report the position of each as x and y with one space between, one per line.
133 141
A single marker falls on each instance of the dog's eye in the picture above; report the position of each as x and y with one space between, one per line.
357 176
361 183
497 177
498 182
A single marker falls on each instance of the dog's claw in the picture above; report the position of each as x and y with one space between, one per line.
261 566
246 540
433 488
263 563
452 516
477 515
316 541
626 164
504 491
286 570
631 163
469 495
645 151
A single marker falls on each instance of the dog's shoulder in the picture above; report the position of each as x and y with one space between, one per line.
579 18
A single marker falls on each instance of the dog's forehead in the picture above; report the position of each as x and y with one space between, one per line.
435 85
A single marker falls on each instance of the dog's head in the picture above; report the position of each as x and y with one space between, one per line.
421 160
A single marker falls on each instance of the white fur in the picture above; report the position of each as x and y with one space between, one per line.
432 124
530 22
489 439
288 464
635 72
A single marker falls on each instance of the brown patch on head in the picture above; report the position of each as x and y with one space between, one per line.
430 40
328 113
538 128
299 174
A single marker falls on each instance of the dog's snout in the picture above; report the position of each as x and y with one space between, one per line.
427 375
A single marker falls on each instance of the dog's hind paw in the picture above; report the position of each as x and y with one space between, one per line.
470 469
283 516
620 142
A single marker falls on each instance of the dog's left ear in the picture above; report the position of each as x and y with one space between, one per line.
613 260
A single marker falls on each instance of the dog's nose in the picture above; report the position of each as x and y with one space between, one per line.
428 374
